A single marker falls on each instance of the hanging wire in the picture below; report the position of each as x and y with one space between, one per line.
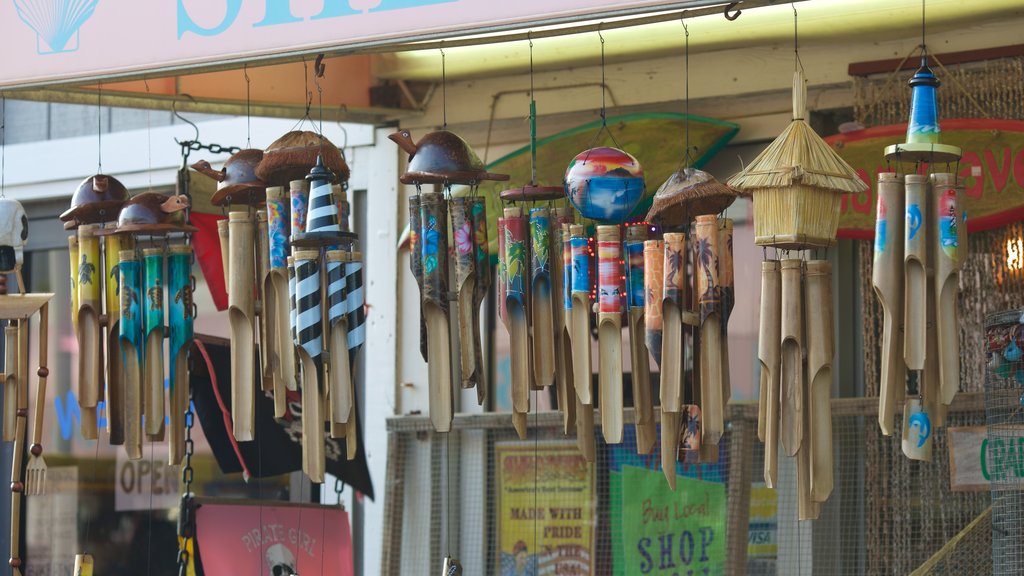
687 158
248 111
924 49
444 90
604 118
3 143
99 129
533 119
797 64
149 138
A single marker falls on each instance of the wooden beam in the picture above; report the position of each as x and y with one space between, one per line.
887 66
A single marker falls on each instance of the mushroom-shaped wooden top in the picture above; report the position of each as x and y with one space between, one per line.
687 194
442 157
292 156
97 199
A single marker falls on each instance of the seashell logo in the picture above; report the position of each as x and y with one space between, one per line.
55 22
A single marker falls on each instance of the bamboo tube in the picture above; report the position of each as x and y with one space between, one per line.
153 349
482 286
728 298
225 248
180 315
502 273
263 302
672 331
569 399
609 331
915 272
887 279
74 263
791 409
709 303
309 342
276 299
820 350
83 565
654 288
240 317
339 381
643 404
585 440
112 246
541 306
130 273
669 442
516 308
434 238
465 288
949 256
558 311
11 376
90 365
580 320
916 441
769 342
930 381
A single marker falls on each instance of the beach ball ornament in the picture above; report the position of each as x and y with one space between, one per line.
605 184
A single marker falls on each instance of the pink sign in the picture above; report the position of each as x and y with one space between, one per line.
274 540
51 40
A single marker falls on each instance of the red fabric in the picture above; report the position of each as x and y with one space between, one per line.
207 248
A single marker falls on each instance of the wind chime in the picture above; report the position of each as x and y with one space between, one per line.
16 311
797 183
531 278
920 246
689 298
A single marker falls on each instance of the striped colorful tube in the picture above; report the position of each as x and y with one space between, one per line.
130 280
355 301
540 245
179 301
308 298
300 205
478 219
323 212
515 259
580 264
634 257
278 226
609 275
502 273
416 261
336 303
567 271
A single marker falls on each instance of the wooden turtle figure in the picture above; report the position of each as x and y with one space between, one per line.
98 198
152 212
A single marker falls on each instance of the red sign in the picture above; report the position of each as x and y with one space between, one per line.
991 170
274 540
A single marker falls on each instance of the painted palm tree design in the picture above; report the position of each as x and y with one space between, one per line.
85 270
675 261
706 258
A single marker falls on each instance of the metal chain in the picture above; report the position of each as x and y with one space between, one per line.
186 520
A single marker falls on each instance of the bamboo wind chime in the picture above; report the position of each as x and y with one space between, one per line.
796 184
920 246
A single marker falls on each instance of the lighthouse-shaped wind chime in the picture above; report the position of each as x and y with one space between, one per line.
920 246
689 291
797 184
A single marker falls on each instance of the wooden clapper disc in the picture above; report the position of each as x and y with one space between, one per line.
434 238
90 306
579 323
709 304
309 342
950 248
643 404
769 342
130 272
112 246
561 290
915 262
887 279
609 331
541 299
241 250
791 409
820 350
153 349
180 316
673 298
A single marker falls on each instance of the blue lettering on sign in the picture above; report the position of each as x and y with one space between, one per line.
69 415
277 12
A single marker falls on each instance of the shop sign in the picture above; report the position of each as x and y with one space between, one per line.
976 459
669 532
546 509
146 484
992 171
263 539
45 41
762 535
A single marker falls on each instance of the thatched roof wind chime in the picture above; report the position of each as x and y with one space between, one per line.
441 158
686 317
797 184
920 246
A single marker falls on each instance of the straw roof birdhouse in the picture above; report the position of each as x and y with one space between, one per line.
797 183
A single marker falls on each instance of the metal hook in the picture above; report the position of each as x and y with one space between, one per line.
732 17
319 67
174 110
599 35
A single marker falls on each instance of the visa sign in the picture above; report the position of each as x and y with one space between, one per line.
279 12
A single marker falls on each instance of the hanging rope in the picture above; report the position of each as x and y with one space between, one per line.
248 112
533 122
3 143
99 129
444 90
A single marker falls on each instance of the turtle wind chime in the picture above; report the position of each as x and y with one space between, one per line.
16 311
122 260
920 246
797 183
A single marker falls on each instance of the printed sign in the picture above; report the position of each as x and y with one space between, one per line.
274 540
991 170
762 536
671 533
46 40
977 459
146 484
546 509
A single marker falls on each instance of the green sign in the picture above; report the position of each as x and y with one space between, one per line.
672 533
976 458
